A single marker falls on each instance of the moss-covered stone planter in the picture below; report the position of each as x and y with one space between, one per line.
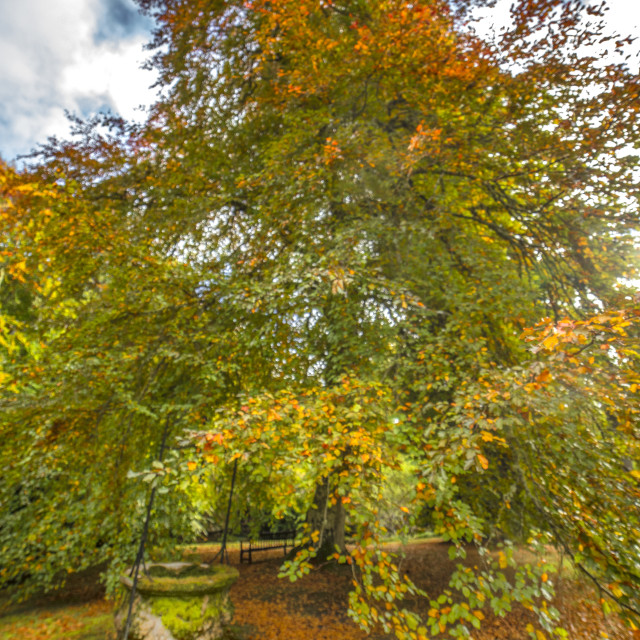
179 601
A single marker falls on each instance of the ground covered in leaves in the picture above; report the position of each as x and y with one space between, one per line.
314 608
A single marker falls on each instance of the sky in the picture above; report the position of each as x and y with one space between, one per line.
85 56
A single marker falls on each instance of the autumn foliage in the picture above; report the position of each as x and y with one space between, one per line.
353 242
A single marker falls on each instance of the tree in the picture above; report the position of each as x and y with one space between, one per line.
317 257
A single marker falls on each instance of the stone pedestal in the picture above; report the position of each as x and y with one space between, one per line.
179 601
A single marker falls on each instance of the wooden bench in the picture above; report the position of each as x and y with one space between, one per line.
265 542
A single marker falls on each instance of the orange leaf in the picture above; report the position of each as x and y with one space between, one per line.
544 376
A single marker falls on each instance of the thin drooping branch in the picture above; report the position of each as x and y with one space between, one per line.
223 553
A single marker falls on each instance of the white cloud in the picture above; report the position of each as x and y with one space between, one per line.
115 73
75 55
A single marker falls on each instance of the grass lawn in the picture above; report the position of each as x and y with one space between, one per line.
89 621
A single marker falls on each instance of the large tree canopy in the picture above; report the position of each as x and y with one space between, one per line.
352 236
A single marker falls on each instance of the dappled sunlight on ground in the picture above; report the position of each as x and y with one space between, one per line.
313 608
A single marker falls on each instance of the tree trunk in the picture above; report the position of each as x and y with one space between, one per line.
340 356
328 520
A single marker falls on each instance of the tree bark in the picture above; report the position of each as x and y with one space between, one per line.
328 520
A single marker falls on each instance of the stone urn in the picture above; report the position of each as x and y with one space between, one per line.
179 601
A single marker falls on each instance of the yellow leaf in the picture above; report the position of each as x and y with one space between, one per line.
550 341
484 463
